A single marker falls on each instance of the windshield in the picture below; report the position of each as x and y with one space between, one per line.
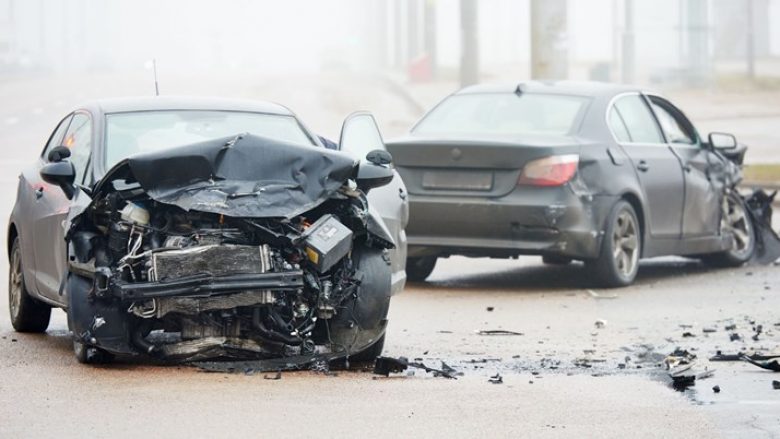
504 114
146 131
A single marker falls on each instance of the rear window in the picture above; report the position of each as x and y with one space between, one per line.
504 114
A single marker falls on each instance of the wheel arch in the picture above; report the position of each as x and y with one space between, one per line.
13 232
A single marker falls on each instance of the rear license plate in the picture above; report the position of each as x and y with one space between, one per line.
458 180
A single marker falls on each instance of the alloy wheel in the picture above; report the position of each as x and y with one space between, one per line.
15 283
625 244
736 222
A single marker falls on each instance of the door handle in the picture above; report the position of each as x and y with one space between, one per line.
38 193
643 166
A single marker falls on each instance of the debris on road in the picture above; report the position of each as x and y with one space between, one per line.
596 295
275 377
735 337
497 332
600 323
731 327
490 309
716 388
687 334
496 379
719 356
773 365
776 385
709 330
387 365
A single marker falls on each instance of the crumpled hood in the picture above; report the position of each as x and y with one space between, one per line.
240 176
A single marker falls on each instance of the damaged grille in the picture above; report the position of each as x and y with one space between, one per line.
216 260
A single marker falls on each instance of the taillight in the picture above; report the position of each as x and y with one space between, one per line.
550 171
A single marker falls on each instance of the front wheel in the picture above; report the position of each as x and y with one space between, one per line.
618 261
736 221
418 269
27 313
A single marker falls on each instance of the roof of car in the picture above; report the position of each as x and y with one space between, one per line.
580 88
119 105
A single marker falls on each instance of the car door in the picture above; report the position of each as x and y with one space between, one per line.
657 167
52 210
32 190
359 136
701 213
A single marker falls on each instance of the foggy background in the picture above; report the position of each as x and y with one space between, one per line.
718 59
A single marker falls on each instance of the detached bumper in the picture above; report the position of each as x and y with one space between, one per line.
206 286
535 221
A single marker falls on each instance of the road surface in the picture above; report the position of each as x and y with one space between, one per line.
565 376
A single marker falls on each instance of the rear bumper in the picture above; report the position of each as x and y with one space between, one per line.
530 220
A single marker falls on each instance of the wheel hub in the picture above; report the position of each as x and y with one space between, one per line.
625 244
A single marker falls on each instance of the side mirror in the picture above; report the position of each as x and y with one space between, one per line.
62 174
722 141
375 171
58 154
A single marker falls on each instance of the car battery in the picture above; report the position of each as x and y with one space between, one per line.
326 242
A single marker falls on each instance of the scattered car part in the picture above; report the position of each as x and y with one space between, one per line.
387 365
772 365
498 332
497 379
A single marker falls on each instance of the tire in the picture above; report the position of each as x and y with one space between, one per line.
418 269
621 247
556 260
370 353
27 313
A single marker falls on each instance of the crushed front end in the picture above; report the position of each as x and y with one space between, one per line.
153 277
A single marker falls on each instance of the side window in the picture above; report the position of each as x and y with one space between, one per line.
56 137
676 131
618 127
638 119
79 140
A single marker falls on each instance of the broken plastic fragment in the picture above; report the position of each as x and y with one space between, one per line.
496 379
498 332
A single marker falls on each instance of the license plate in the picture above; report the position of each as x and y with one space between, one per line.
458 180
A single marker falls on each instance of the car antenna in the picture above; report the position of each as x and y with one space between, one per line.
156 86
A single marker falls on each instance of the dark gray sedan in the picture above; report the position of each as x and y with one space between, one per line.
601 173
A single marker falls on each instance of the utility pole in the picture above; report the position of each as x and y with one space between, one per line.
549 40
628 42
469 52
698 41
750 50
429 33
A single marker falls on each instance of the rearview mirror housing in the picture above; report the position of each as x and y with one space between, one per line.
61 173
375 171
723 141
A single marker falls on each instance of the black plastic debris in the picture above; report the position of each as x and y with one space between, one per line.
688 334
719 356
498 332
735 337
450 370
709 330
731 327
772 365
490 309
776 385
716 388
274 377
387 365
767 241
496 379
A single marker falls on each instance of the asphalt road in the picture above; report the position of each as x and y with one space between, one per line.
564 377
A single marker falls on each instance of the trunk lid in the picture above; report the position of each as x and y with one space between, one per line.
471 167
